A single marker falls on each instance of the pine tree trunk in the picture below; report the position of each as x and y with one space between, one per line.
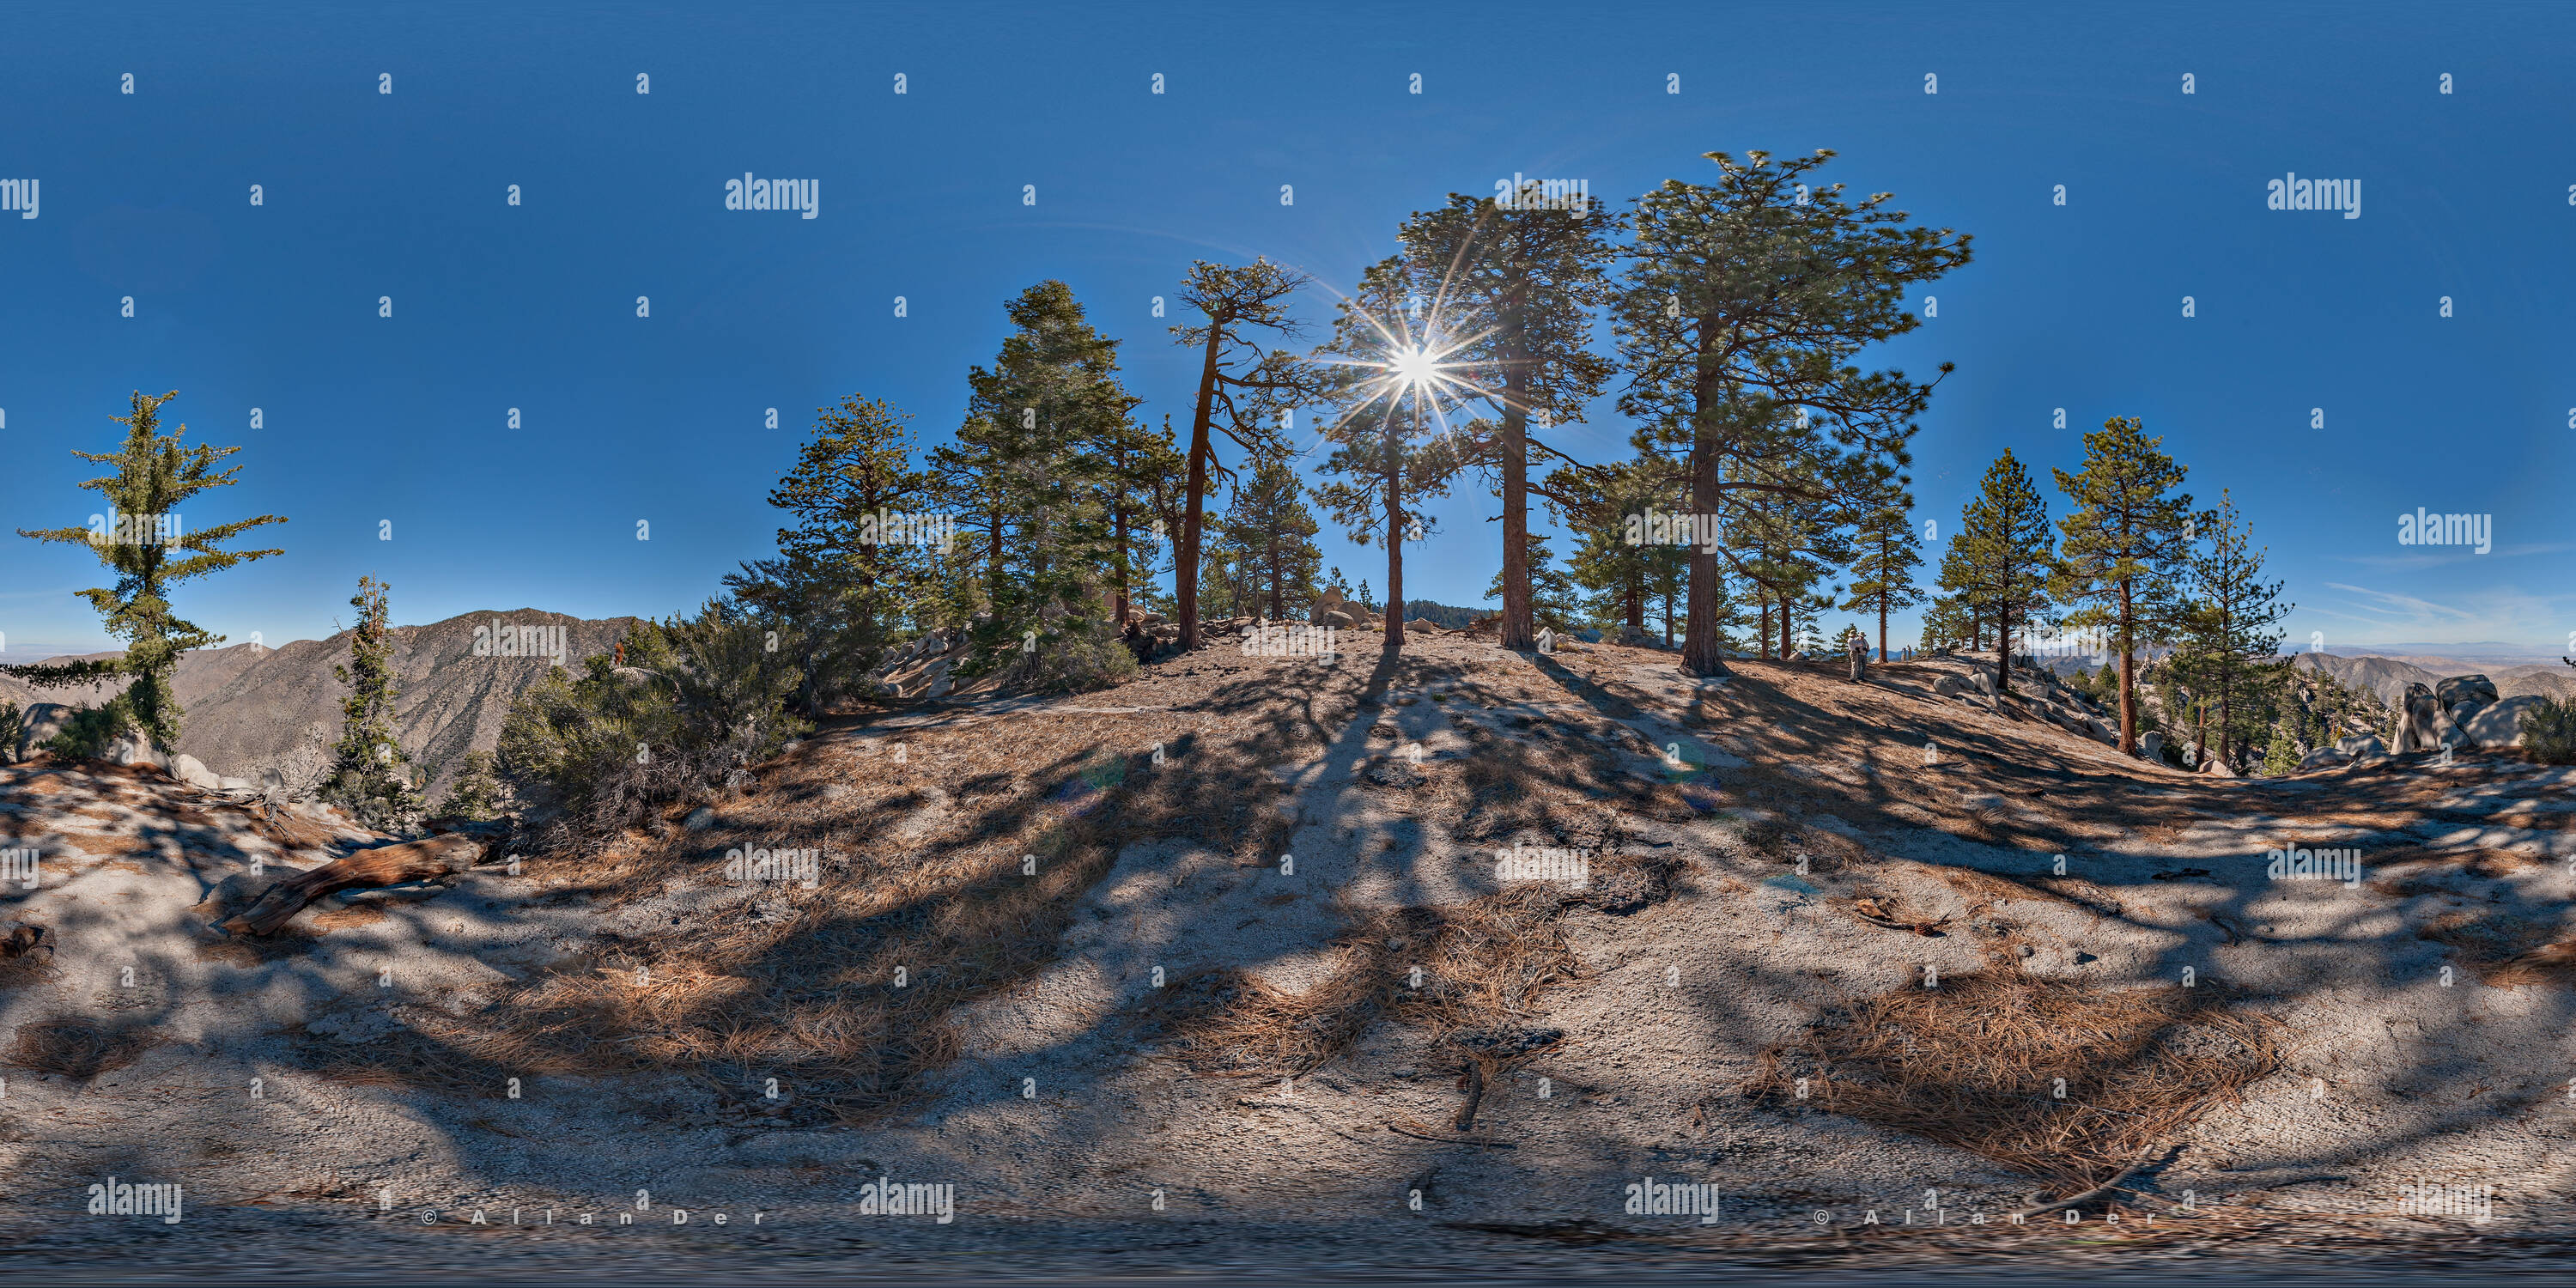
1518 630
2128 676
1394 538
1882 628
2003 649
1701 653
1185 565
1121 520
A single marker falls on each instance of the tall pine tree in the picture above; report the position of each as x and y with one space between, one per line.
1885 555
142 539
1515 285
2126 553
1243 391
2231 642
1745 303
1270 524
1388 457
2005 555
369 775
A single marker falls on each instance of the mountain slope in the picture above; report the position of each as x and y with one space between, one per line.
2388 676
250 709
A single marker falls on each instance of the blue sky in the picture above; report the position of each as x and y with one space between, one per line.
403 195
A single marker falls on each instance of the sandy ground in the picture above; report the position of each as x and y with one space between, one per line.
2423 1040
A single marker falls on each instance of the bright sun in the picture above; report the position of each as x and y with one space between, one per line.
1413 366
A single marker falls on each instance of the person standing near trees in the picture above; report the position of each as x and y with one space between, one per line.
1859 658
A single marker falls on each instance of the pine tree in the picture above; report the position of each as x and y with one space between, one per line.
1140 473
1613 556
2004 556
1043 425
1946 623
2125 553
856 567
1882 567
141 539
2231 640
1785 544
1553 598
1511 309
1238 382
1745 303
369 775
1269 522
1386 459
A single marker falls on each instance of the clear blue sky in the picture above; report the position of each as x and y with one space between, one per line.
367 195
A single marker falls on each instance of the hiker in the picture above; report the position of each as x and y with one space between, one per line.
1859 660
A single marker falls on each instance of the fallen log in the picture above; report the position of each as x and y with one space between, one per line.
365 870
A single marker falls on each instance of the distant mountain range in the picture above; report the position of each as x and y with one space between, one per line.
2481 653
2389 676
249 708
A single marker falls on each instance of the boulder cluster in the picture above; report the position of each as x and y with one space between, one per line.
2462 711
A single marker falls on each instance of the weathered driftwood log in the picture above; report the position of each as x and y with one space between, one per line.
365 870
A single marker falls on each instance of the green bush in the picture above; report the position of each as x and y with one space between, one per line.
13 726
89 731
476 794
696 706
1080 656
2549 731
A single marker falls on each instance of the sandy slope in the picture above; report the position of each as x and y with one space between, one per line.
2403 1057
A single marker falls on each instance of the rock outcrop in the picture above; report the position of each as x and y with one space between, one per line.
2465 688
2498 724
2420 721
1328 605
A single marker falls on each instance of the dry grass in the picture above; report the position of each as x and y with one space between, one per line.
1974 1064
1483 966
2504 951
75 1048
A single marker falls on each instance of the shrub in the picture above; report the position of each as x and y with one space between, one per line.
698 704
13 726
2549 731
476 795
369 777
88 732
1079 656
